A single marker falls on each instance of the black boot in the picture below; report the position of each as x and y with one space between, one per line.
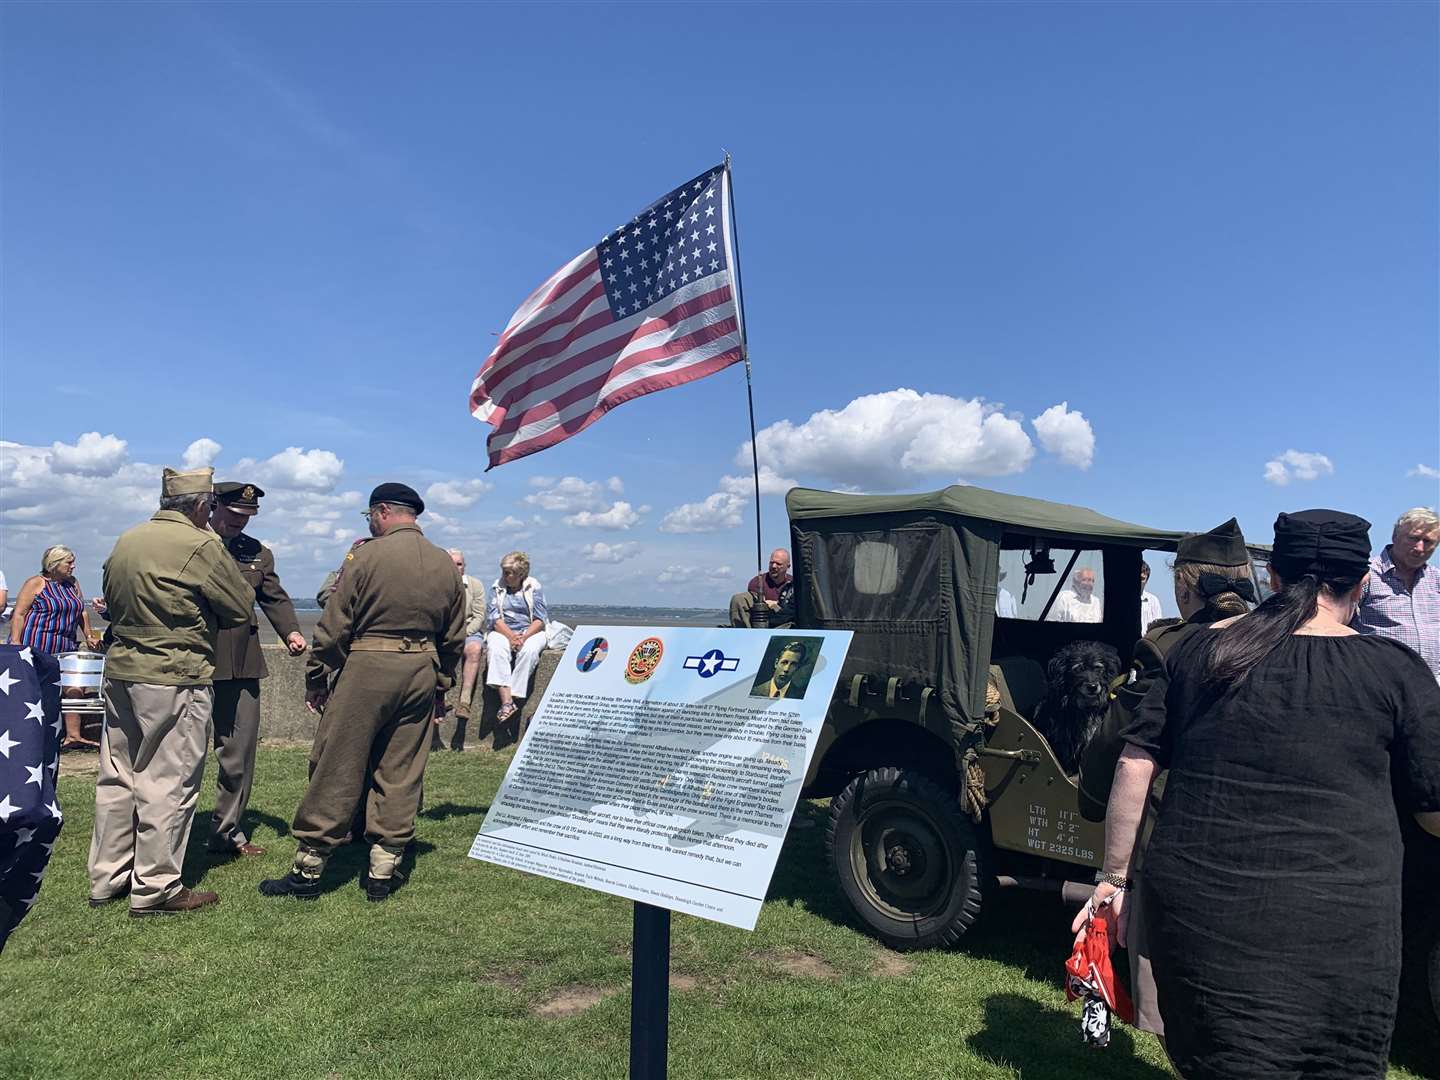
377 889
292 884
384 875
303 880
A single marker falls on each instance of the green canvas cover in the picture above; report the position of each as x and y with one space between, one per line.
915 577
1036 516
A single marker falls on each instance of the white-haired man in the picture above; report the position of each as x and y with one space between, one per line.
1402 593
474 656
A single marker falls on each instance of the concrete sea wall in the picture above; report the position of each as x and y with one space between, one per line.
283 716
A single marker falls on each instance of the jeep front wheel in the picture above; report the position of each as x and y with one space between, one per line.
906 857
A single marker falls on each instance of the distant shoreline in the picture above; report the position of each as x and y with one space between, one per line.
572 615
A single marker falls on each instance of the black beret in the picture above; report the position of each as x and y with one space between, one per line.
1223 545
399 494
1327 543
240 496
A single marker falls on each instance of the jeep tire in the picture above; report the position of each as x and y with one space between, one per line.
908 860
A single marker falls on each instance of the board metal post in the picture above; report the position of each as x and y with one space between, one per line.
649 993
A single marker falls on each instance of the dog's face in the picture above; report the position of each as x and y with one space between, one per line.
1080 674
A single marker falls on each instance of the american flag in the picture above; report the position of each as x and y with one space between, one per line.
29 752
653 305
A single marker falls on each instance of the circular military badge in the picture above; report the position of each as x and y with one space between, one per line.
644 659
592 654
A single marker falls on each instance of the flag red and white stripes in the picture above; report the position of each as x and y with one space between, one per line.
652 306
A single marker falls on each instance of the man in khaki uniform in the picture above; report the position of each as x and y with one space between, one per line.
240 665
394 631
169 586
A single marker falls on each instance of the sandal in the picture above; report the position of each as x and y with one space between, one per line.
78 744
507 710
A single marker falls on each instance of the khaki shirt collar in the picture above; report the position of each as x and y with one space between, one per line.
409 526
176 515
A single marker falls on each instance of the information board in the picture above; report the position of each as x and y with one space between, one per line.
663 765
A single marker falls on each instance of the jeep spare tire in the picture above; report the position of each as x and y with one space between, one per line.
906 857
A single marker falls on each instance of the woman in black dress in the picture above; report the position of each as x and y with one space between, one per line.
1272 880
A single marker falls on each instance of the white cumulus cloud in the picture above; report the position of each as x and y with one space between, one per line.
601 552
568 494
1066 434
771 483
92 454
890 440
619 516
200 453
1425 471
721 510
295 467
1297 465
456 494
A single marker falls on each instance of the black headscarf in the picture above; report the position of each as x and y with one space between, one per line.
1328 544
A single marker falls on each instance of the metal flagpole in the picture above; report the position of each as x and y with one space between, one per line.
745 355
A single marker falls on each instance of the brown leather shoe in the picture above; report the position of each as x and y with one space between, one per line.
101 901
183 901
246 848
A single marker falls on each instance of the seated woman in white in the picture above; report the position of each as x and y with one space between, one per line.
516 619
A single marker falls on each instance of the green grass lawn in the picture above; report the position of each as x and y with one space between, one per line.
474 971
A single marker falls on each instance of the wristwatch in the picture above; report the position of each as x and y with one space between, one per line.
1102 878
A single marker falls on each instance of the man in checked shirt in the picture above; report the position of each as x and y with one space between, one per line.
1402 593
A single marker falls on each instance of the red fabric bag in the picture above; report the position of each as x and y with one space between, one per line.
1090 978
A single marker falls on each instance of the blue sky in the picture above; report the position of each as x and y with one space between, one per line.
1209 231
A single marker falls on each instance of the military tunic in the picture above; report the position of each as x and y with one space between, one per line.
392 634
169 587
239 667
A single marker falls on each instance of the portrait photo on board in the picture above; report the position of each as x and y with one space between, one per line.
786 668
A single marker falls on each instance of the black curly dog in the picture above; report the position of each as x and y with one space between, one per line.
1079 677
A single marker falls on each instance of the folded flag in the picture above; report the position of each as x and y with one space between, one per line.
653 305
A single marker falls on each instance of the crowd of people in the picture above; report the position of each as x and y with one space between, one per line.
1249 776
1252 781
183 669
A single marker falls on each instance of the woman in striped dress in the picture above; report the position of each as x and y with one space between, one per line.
50 617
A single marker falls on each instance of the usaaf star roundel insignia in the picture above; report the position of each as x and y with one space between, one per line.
711 663
644 659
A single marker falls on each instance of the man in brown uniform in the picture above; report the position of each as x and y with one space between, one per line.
240 665
169 587
394 631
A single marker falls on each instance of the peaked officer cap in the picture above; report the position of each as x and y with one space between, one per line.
241 497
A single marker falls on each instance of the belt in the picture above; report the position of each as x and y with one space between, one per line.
401 643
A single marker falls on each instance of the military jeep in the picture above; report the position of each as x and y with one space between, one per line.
942 790
938 796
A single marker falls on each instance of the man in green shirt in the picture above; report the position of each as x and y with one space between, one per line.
169 586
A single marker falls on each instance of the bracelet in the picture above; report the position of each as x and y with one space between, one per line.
1119 881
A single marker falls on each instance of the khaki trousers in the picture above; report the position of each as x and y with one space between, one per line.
152 758
378 716
237 730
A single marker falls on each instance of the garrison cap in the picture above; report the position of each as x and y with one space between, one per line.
239 497
187 482
1223 545
400 495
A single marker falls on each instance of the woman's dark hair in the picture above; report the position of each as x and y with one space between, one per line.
1256 636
